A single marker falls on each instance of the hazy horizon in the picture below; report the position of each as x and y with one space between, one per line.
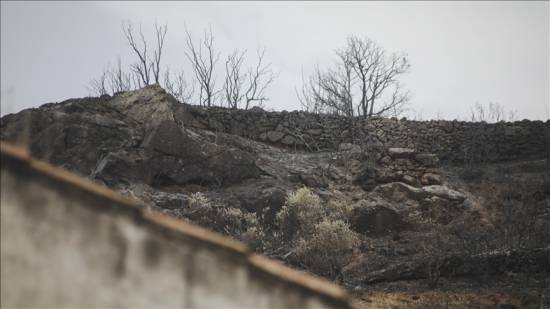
461 53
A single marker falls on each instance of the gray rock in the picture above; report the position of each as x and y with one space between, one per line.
288 140
385 160
275 136
444 192
427 159
410 180
315 131
349 147
401 152
431 179
262 198
313 181
399 191
375 219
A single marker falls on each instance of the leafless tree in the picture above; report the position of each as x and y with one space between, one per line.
160 34
98 86
245 90
492 112
363 82
145 66
179 87
234 79
111 81
203 59
259 79
119 80
141 68
331 90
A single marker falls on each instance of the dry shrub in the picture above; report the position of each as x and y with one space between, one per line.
228 220
237 221
328 249
198 200
245 226
302 210
254 237
199 208
339 210
319 234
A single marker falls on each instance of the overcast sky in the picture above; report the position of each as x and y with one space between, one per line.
460 52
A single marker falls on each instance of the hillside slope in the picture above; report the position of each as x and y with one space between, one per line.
378 219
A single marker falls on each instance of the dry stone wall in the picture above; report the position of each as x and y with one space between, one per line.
453 141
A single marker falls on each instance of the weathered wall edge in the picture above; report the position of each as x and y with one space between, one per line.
15 157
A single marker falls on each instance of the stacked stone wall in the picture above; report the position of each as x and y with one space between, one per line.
453 141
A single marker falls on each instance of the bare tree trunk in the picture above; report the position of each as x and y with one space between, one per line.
160 32
203 65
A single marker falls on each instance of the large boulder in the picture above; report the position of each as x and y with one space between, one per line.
264 198
367 175
148 106
375 219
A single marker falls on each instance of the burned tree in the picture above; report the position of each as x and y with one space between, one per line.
160 34
203 59
119 81
179 87
98 86
363 82
245 90
258 79
112 80
145 65
234 80
330 91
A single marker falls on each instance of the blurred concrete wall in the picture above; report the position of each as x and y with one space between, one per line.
66 242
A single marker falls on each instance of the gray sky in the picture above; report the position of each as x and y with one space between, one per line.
461 52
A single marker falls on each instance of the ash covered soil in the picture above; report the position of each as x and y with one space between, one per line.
393 226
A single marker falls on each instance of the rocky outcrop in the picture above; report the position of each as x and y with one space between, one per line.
132 137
